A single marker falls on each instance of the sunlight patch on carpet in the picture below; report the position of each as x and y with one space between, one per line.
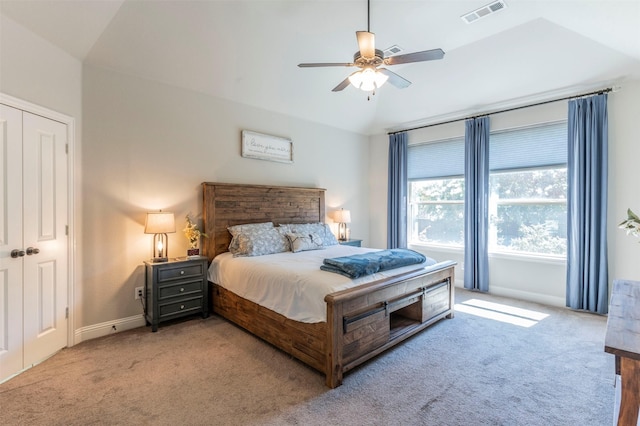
499 312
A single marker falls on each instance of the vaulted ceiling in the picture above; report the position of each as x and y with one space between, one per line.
248 51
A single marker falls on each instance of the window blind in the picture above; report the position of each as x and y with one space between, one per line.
529 147
522 148
436 160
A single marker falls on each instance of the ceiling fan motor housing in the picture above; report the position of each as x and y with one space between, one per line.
363 62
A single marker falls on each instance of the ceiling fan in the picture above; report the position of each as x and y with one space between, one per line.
369 59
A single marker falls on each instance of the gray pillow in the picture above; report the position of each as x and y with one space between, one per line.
260 241
236 230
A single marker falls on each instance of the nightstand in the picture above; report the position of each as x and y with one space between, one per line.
175 289
350 242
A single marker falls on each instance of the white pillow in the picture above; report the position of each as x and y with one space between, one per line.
304 242
321 229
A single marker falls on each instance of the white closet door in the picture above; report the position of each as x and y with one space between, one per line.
11 347
45 240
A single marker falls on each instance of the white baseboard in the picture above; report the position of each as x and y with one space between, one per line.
543 299
106 328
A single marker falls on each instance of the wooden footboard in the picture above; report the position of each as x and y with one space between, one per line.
361 322
367 320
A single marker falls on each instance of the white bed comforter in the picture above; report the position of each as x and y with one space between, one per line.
288 283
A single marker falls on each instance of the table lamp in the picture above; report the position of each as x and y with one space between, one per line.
160 223
343 217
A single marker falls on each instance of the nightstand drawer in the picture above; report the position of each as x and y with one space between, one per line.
181 307
182 289
185 271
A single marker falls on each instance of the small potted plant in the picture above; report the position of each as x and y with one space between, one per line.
193 234
631 224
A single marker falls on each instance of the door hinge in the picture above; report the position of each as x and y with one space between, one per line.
66 148
66 313
66 230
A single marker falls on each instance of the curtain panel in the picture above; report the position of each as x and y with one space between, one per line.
397 192
587 270
476 204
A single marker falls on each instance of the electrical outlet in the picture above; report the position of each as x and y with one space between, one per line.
139 294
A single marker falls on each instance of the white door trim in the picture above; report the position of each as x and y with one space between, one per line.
71 132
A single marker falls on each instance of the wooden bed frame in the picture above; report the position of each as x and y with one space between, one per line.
361 322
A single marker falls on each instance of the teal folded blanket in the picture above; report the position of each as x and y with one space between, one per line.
358 265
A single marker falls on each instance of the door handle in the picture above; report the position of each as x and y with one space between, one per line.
17 253
32 250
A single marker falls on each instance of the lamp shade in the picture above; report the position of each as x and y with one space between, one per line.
342 216
160 223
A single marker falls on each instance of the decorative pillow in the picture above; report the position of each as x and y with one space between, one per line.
321 229
303 242
236 230
258 242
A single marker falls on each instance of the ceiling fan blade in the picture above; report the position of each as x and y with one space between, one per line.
326 64
395 79
343 84
426 55
366 44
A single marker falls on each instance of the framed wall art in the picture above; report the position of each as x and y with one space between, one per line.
266 147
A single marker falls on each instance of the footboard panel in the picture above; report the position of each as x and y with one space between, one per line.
362 334
365 321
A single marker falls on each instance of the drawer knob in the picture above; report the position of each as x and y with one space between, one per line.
181 289
181 306
181 272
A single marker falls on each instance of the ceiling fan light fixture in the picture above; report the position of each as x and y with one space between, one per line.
368 59
367 79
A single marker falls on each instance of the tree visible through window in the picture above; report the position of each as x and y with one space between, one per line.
528 211
437 211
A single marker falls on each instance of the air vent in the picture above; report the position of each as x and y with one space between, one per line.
483 11
393 50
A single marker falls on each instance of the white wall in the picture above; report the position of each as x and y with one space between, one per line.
624 178
148 146
538 280
35 70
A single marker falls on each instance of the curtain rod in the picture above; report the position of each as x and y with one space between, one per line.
597 92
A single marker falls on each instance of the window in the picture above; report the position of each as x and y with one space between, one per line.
527 183
528 190
436 192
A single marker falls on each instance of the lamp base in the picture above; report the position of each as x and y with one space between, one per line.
159 259
342 232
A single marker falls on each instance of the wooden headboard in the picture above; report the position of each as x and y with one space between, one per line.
226 204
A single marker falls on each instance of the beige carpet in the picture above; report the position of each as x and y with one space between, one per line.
466 371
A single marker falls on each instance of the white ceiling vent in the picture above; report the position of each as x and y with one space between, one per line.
483 11
393 50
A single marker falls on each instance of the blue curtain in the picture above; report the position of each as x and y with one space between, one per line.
587 273
476 204
397 204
